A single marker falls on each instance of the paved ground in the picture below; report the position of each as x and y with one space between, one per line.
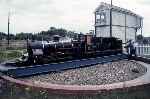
145 79
1 86
101 74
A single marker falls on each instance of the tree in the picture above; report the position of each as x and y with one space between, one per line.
43 35
3 35
140 38
145 41
52 28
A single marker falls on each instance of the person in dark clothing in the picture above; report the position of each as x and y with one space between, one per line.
131 50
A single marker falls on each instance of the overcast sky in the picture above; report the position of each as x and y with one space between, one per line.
76 15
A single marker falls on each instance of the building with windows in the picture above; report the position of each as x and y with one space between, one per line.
125 23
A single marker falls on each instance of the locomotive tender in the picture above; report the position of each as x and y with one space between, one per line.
86 46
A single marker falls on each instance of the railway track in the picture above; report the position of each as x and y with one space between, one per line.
18 72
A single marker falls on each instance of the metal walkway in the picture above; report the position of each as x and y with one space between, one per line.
56 67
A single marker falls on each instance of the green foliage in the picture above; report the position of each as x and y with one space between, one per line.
46 35
142 40
23 36
145 41
4 36
9 54
139 37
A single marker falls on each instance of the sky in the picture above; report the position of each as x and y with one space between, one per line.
75 15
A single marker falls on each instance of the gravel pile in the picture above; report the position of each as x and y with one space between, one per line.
95 75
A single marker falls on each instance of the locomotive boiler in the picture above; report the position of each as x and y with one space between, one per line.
59 50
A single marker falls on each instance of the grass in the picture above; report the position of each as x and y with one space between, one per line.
9 54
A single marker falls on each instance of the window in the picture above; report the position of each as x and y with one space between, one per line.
98 18
101 18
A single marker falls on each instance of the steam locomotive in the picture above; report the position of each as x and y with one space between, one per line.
59 50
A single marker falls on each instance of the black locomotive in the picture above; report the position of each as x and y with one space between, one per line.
86 46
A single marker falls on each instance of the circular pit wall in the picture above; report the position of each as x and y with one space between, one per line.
137 88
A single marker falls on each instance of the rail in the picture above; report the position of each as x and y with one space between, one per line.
56 67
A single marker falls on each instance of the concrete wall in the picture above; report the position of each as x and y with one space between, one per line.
122 23
20 91
103 31
130 32
118 18
119 32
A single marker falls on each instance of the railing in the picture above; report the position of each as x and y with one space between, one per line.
14 44
143 50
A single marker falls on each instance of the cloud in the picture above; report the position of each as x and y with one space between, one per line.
145 2
25 6
37 15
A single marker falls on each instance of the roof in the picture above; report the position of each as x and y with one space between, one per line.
116 8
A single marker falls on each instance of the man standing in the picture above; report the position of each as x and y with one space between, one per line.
131 50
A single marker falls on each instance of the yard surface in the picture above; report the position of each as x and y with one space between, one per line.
100 74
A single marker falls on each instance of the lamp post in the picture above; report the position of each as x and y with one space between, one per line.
111 19
8 28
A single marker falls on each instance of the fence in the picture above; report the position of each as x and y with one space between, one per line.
14 44
143 50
